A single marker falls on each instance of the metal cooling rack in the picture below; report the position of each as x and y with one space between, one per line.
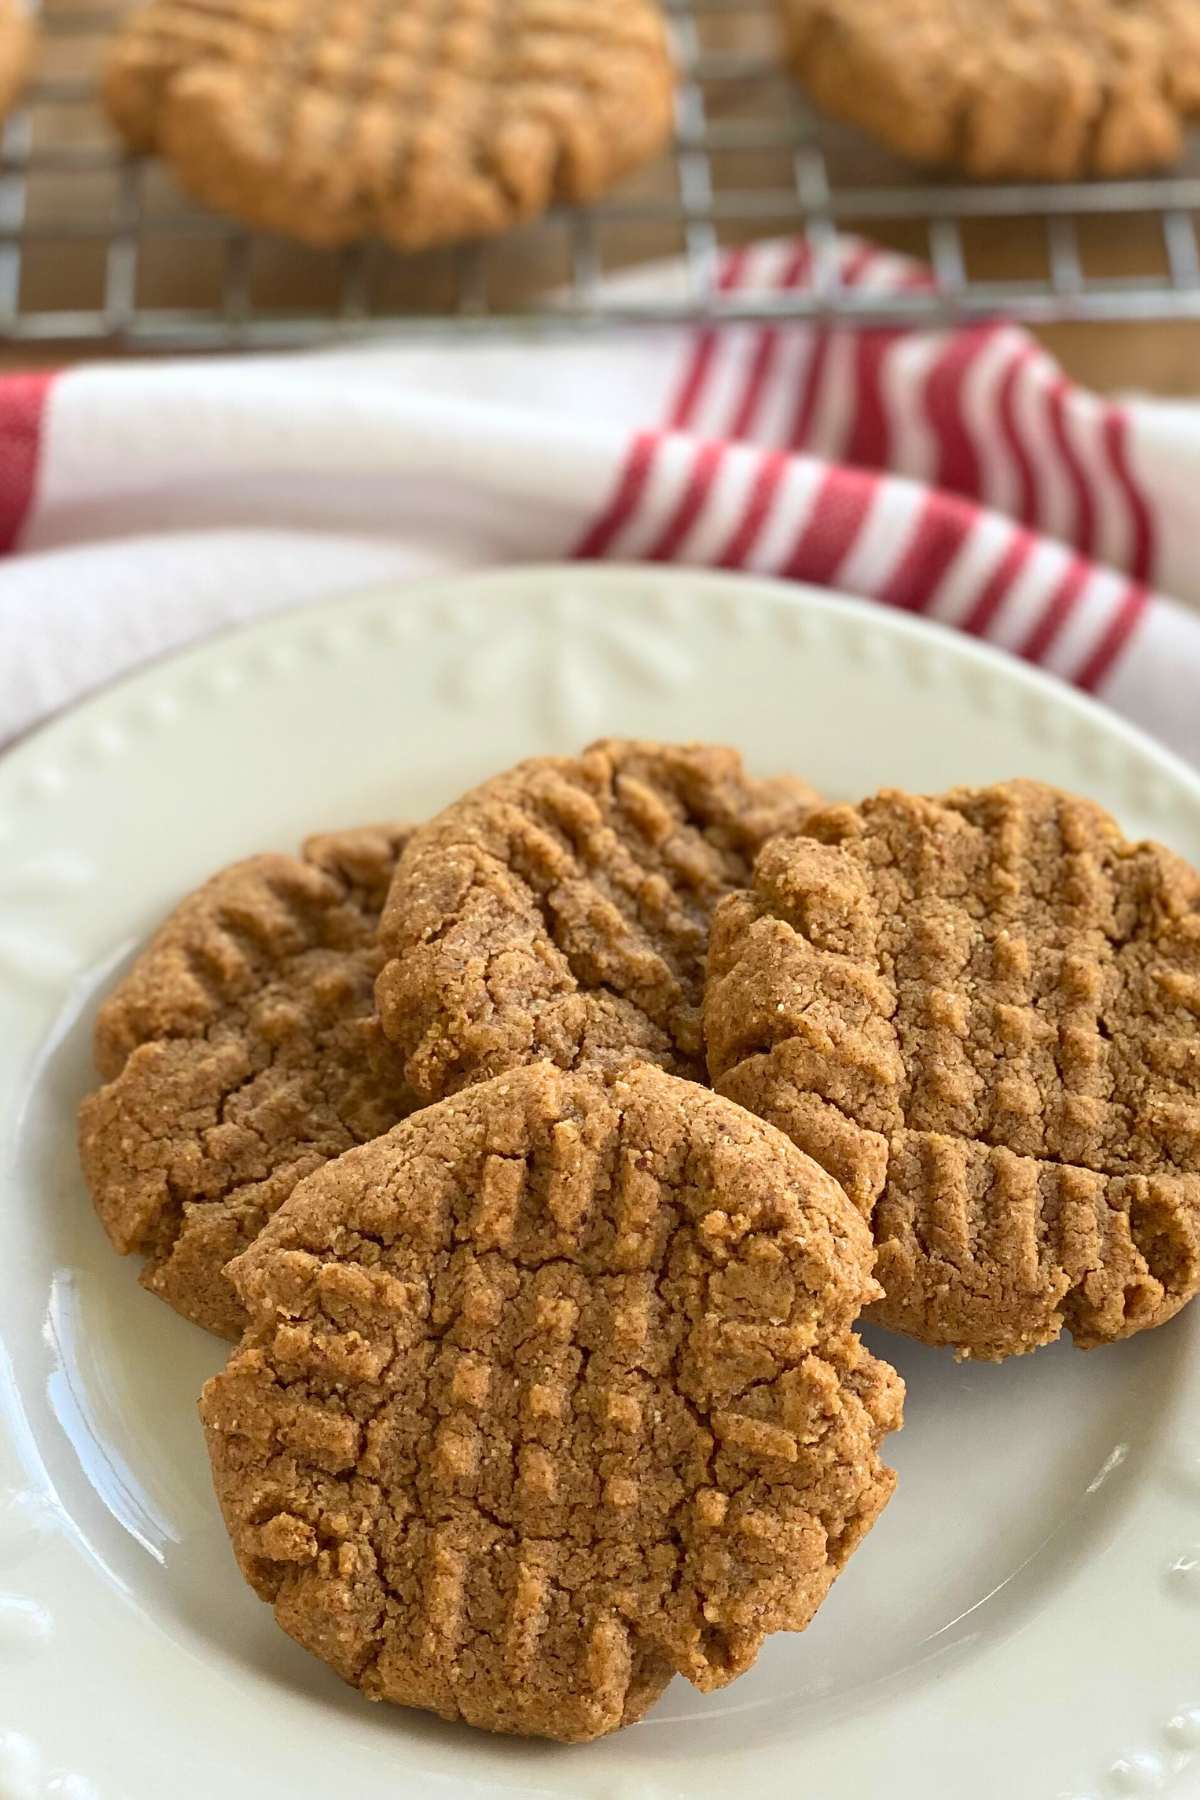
98 248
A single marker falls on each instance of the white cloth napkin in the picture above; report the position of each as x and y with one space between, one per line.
954 473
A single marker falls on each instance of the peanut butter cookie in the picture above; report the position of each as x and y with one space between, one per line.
418 121
981 1013
239 1053
561 911
549 1393
1007 89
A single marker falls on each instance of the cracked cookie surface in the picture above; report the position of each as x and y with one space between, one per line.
418 121
238 1054
562 909
981 1013
1006 89
549 1393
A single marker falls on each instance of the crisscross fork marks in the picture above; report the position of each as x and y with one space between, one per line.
965 1008
1007 89
571 1362
421 121
561 911
239 1053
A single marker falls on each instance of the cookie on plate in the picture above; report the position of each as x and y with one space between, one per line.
1006 89
561 911
550 1393
18 40
418 121
981 1013
239 1053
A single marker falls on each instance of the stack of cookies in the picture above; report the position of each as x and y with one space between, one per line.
543 1157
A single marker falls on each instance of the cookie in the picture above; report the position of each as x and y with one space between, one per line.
549 1393
561 911
981 1013
418 121
1006 90
239 1053
18 40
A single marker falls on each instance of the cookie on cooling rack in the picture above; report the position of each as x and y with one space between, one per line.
239 1053
561 911
418 121
982 1014
550 1393
1006 89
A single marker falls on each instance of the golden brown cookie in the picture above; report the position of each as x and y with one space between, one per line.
981 1013
1006 89
418 121
239 1053
551 1392
562 911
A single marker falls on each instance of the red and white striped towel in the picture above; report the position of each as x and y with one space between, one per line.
953 473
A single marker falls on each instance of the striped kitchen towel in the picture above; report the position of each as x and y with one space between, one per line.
953 473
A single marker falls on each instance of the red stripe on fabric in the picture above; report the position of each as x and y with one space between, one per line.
1120 629
958 468
814 375
858 262
1027 507
766 347
1116 443
838 513
758 508
944 525
695 375
22 411
869 434
1062 604
999 583
870 431
705 464
1084 536
630 486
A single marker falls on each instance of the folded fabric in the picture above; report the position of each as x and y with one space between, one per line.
957 474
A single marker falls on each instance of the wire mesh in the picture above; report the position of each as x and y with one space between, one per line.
98 247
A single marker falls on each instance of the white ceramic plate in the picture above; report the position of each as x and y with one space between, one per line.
1023 1623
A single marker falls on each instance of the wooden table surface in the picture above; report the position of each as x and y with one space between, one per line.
1162 358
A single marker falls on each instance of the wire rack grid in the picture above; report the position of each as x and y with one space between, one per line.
100 248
